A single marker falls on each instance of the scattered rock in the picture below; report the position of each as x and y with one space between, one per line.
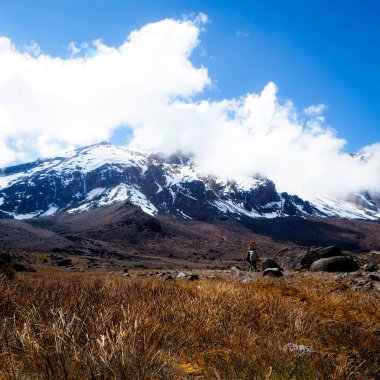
374 276
299 348
184 276
370 267
335 264
269 263
363 284
325 252
213 277
317 253
348 277
270 268
289 258
360 280
272 272
239 275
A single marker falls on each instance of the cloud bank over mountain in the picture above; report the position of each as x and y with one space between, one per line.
49 104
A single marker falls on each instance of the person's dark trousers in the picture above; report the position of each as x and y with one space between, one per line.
254 266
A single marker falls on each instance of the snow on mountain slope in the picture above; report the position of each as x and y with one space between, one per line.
103 174
344 209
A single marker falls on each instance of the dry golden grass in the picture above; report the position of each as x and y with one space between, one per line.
81 326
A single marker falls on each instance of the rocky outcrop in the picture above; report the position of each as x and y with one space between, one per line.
269 263
272 272
301 258
270 268
317 253
359 280
335 264
295 206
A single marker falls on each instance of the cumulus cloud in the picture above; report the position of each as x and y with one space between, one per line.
259 134
148 84
65 103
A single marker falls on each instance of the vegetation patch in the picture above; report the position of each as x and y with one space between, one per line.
89 326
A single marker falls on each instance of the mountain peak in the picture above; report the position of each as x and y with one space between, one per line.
103 174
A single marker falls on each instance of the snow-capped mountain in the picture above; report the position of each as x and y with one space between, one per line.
104 174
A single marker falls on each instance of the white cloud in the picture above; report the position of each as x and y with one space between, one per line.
258 134
49 104
316 110
74 49
200 19
80 100
33 48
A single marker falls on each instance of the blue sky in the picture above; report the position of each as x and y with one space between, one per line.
316 52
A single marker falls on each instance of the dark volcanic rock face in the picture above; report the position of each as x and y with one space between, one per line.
295 206
103 174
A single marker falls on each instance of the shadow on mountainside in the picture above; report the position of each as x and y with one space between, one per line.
347 234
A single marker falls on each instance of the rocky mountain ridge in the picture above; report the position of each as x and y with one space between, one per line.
104 174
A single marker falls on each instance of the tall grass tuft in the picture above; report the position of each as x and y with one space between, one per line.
82 326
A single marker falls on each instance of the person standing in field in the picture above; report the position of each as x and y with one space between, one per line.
252 256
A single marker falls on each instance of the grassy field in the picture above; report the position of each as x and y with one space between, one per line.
105 326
